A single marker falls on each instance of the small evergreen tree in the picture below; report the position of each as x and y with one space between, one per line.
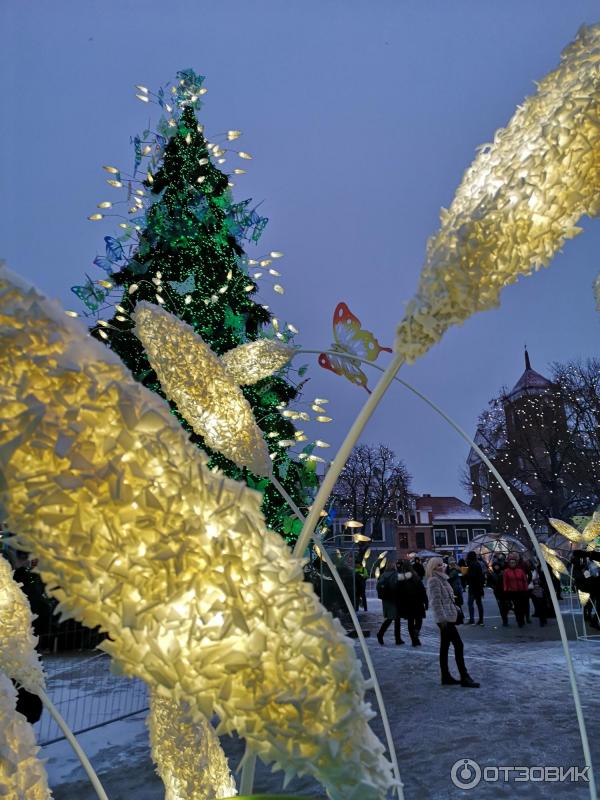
182 247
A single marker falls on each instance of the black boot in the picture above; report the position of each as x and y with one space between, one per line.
380 639
468 682
448 680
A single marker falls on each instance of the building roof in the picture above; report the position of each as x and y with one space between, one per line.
487 445
530 382
450 509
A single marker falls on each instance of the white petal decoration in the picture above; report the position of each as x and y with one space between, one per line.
99 480
254 361
188 754
22 774
18 656
518 202
195 379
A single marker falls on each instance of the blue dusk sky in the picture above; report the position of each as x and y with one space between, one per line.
361 116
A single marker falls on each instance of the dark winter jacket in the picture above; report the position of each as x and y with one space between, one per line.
386 587
411 596
475 579
419 569
496 583
539 588
454 578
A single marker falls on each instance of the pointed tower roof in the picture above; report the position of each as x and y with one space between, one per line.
530 382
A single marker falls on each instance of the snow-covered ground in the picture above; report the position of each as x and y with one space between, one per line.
522 715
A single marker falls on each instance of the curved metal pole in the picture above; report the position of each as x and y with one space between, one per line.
538 551
365 650
70 737
248 770
560 622
338 463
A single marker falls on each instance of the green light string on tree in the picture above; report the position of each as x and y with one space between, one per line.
182 248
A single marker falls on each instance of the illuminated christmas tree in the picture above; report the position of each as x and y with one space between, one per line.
182 247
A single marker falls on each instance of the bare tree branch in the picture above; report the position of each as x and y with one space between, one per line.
373 484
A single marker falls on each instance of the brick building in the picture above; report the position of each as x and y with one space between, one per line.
383 535
442 525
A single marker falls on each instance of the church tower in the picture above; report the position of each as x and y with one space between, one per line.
524 438
533 405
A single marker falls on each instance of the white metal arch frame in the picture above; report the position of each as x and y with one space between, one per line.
389 375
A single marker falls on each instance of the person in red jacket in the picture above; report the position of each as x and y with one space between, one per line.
516 590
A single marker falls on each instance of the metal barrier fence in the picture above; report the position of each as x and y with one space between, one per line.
78 677
87 695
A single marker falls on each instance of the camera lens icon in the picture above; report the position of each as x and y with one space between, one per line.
465 773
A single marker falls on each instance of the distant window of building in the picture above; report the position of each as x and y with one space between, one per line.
420 540
377 532
477 532
462 536
423 517
403 541
440 537
413 519
401 519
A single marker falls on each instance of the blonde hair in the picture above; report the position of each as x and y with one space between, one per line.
432 565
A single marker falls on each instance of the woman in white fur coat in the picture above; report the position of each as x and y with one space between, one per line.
445 612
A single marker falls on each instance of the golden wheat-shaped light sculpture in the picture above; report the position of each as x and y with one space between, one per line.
22 774
19 659
585 539
206 387
188 754
199 598
518 202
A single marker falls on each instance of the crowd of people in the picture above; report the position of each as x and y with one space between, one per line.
408 591
404 597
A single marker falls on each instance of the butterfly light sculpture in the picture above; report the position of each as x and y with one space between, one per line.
134 534
350 339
